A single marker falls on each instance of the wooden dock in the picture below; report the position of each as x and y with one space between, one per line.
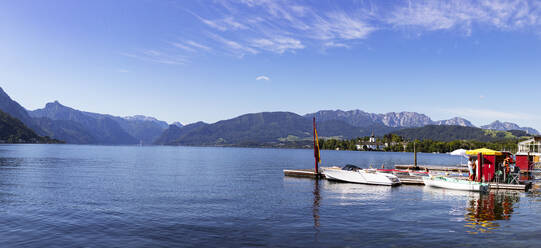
502 186
432 168
411 180
310 173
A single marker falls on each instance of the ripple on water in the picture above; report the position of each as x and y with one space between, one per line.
101 196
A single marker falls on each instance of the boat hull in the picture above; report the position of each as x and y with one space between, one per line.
361 176
455 184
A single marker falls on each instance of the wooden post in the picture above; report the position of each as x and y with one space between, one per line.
415 156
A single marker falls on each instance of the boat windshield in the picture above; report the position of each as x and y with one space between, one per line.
351 167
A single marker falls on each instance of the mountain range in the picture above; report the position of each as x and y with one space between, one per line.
507 126
279 128
268 128
392 119
408 120
106 129
79 127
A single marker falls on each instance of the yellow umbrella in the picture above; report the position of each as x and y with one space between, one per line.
484 151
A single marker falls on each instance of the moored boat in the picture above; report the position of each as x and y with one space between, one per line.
354 174
454 183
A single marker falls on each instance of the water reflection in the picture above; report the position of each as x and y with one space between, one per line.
442 194
535 191
356 194
315 208
11 162
483 210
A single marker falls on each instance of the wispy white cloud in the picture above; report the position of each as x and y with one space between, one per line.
198 45
279 26
251 27
512 14
463 15
167 55
431 15
156 56
190 46
340 25
224 24
233 46
262 77
278 44
183 47
334 44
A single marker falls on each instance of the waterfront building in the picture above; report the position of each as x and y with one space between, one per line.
529 152
372 138
371 145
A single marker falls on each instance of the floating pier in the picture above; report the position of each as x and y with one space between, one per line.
310 173
432 168
413 180
504 186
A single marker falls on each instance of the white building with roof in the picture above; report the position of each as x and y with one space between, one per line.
530 147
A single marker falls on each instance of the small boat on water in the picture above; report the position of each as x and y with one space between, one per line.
454 183
354 174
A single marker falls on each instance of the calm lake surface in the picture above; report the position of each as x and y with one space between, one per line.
107 196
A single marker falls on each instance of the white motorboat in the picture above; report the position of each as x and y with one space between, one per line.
456 184
354 174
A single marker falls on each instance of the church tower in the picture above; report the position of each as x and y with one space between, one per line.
373 138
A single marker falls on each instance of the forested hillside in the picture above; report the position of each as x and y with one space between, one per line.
14 131
450 133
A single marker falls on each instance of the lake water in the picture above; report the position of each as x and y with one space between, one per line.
107 196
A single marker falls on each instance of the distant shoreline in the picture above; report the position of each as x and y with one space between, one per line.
209 146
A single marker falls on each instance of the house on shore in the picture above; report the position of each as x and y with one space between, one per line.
371 145
529 153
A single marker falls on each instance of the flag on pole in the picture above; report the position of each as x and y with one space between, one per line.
316 144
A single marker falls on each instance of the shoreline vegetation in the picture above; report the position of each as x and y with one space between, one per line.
14 131
387 143
395 143
421 146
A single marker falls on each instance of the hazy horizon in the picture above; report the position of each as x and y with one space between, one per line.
205 61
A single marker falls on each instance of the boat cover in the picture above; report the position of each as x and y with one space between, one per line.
350 167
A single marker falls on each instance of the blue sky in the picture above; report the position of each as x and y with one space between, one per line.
210 60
